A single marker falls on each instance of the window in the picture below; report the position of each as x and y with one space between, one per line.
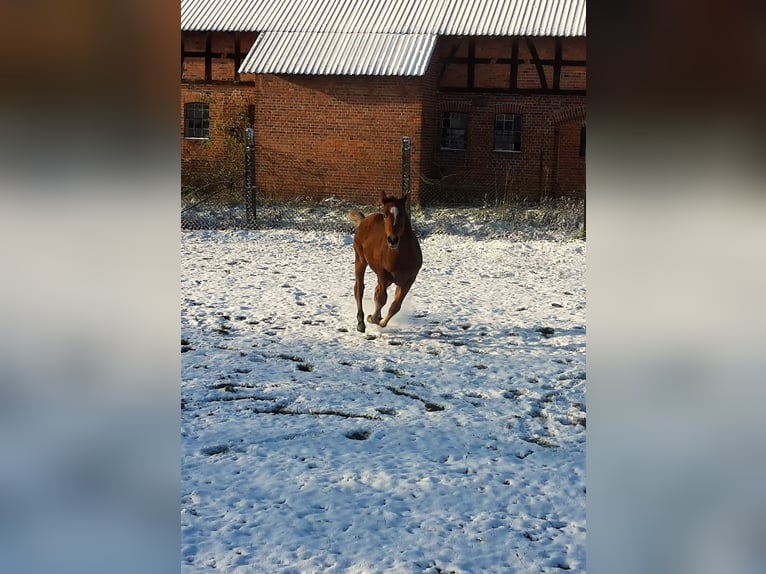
507 132
454 126
197 120
582 141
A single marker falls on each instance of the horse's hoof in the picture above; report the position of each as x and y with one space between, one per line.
360 327
373 320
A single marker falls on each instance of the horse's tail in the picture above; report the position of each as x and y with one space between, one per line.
355 216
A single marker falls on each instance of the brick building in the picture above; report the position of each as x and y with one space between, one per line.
491 93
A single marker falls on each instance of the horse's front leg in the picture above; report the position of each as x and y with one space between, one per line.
396 304
360 266
380 299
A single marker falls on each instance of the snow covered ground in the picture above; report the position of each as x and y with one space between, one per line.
453 440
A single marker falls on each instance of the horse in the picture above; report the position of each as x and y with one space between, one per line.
387 243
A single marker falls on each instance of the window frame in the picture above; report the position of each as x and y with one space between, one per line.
449 134
192 130
503 135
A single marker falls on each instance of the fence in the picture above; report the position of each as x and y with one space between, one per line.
480 205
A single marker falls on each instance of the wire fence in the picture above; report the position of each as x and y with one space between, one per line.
475 205
557 219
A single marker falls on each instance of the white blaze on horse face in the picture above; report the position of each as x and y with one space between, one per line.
395 213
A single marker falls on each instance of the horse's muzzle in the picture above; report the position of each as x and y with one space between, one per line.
393 241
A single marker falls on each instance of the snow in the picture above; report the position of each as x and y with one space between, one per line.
453 440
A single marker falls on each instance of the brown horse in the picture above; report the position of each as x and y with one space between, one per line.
386 242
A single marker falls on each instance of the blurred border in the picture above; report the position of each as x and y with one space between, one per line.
89 172
676 206
89 397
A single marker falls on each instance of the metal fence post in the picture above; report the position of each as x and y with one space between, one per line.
406 152
250 178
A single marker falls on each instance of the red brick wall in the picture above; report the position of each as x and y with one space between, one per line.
530 173
429 136
570 165
323 136
205 159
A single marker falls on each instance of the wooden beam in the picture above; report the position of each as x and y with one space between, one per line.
209 57
236 56
533 91
514 62
217 82
471 63
448 61
217 55
538 63
573 63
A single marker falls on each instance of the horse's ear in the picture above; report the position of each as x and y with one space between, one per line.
407 203
382 197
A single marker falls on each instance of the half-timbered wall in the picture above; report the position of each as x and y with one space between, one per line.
213 57
542 80
512 65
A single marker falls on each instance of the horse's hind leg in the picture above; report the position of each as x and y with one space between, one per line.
360 266
401 291
381 296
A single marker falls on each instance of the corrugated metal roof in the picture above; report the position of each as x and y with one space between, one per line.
379 37
515 18
340 53
444 17
223 15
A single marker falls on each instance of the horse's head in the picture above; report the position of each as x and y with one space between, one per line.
395 216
